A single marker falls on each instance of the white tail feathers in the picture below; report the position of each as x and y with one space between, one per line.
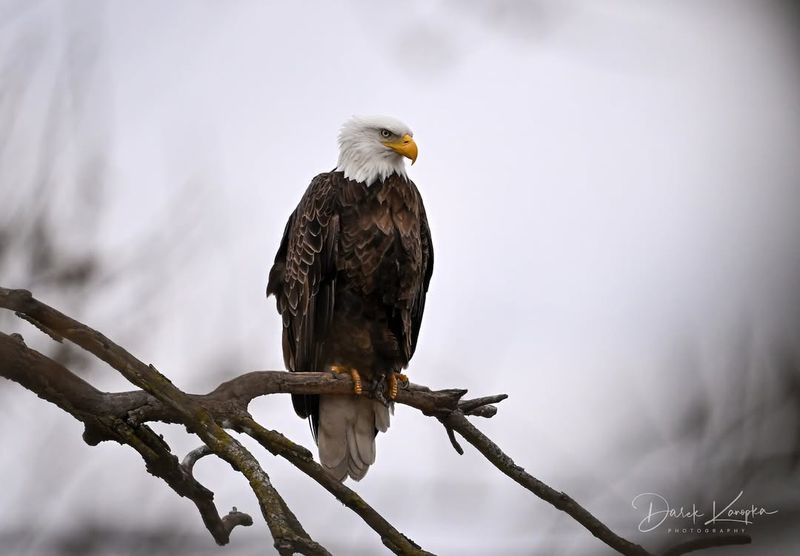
346 434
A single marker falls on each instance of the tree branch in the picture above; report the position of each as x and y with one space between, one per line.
458 422
301 458
288 534
54 383
122 416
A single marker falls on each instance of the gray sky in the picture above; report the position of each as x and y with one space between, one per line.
610 185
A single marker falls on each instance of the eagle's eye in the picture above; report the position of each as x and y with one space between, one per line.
385 133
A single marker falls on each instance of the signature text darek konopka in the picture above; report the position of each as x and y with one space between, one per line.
658 511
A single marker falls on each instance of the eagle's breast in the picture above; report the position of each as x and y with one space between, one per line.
380 252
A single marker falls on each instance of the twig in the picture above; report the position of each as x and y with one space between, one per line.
234 517
453 440
469 407
194 456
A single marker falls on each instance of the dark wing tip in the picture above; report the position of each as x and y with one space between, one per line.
275 281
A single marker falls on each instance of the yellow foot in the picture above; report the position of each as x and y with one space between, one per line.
339 369
394 379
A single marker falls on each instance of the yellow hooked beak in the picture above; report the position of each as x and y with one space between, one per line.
404 146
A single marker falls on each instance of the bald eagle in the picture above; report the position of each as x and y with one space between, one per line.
350 280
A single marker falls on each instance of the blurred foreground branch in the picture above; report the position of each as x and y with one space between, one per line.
122 417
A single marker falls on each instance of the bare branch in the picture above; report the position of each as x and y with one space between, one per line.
235 518
286 530
458 422
301 458
122 416
468 407
481 407
194 456
453 440
56 384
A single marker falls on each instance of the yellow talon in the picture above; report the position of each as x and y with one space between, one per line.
339 369
394 379
356 382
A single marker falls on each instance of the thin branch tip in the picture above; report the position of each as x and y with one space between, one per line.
236 518
453 441
192 457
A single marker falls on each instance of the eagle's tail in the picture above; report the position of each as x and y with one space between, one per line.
347 429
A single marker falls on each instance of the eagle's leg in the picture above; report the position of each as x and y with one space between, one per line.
394 380
357 389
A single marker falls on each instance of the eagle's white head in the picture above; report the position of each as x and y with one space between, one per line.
372 148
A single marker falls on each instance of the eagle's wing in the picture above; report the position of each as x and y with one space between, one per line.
303 280
418 302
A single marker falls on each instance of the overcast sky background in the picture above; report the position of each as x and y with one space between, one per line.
612 189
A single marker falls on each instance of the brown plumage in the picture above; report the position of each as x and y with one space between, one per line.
350 279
